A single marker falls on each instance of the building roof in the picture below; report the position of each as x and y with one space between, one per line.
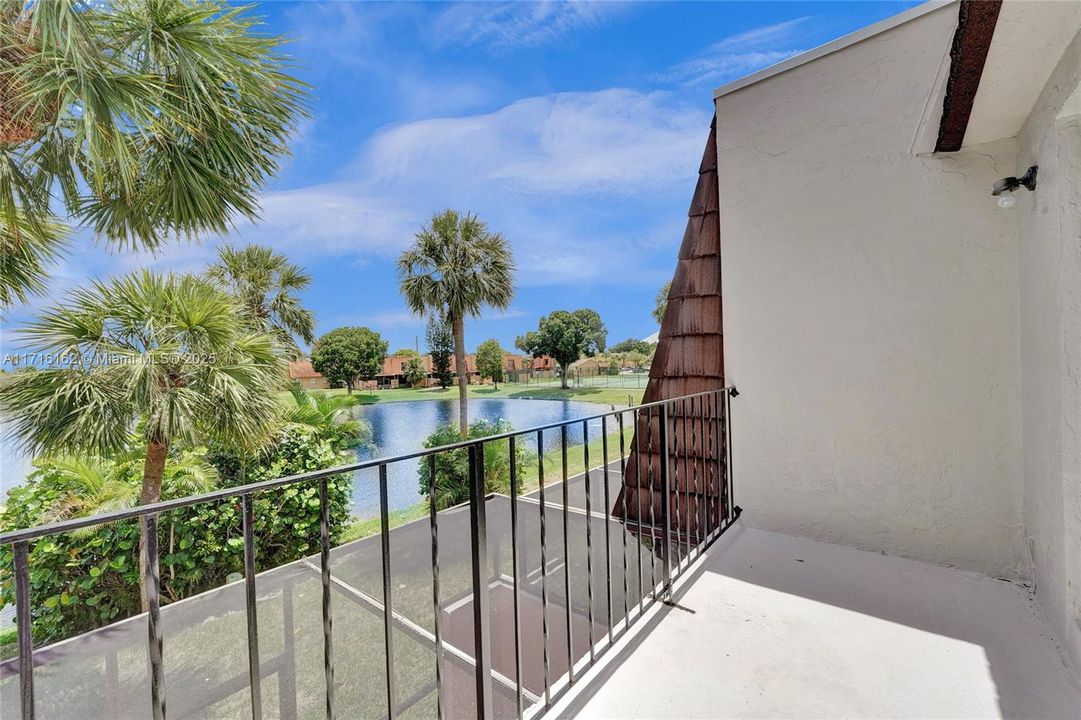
833 46
302 369
992 71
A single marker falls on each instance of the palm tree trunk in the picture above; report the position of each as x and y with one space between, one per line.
153 471
463 379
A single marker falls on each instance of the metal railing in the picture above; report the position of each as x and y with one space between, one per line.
667 493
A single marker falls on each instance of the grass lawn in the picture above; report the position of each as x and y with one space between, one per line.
523 391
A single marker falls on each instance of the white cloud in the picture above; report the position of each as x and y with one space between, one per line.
506 25
739 54
607 142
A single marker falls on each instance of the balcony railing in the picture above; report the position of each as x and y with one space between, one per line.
495 607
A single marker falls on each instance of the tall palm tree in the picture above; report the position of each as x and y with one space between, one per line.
454 268
266 284
143 119
164 356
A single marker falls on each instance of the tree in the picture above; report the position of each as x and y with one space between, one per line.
452 483
454 268
329 416
142 121
660 303
490 361
166 355
406 353
632 345
344 354
566 336
440 341
266 285
415 371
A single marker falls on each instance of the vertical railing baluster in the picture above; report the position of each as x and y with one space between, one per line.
437 611
626 523
728 442
637 415
686 510
652 509
481 616
388 606
152 580
666 499
703 474
324 577
589 539
694 510
722 465
567 554
24 629
251 612
514 550
674 477
607 524
544 569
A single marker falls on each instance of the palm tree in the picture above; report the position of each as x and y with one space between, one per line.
266 284
166 357
142 120
454 268
330 416
91 485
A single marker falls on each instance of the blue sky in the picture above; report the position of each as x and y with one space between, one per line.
574 129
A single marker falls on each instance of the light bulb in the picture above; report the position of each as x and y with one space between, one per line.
1006 200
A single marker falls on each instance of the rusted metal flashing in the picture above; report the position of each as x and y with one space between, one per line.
971 41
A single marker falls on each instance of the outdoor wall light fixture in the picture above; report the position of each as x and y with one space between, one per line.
1004 188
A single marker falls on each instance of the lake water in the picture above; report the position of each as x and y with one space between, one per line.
400 428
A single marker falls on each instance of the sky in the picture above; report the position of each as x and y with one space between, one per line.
574 129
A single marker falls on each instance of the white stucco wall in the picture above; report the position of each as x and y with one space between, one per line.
871 311
1049 230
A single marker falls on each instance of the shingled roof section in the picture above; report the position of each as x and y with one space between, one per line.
689 359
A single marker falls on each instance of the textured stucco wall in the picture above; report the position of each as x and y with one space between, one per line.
1049 231
870 312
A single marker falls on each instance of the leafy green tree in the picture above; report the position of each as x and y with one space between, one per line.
440 342
266 285
167 355
632 345
565 336
613 367
452 466
490 361
416 372
140 120
660 303
637 360
406 353
348 353
454 268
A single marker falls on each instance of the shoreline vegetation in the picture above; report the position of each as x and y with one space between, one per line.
618 396
553 473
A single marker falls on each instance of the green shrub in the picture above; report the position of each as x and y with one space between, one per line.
452 466
86 579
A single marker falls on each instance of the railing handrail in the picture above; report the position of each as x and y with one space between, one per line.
40 531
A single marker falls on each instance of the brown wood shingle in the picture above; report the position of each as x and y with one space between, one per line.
689 359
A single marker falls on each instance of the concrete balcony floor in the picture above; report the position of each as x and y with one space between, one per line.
769 625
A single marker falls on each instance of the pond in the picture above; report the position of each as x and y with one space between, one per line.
400 428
